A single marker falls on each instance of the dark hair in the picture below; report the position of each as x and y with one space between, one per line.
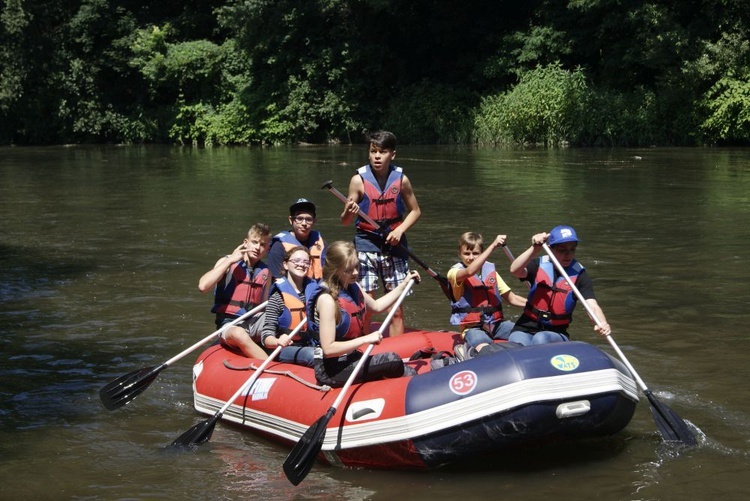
382 139
291 251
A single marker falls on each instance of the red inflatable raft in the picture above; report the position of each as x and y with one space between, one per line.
465 410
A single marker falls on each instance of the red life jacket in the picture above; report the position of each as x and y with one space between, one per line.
480 302
551 302
289 241
385 206
352 304
241 289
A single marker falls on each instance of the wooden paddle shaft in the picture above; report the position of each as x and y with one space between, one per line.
340 196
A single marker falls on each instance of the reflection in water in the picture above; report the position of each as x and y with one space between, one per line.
246 473
102 249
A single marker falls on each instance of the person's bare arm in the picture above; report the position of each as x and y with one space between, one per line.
602 327
212 276
410 200
326 308
518 266
514 299
476 265
356 192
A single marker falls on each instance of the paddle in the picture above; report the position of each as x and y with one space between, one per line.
202 431
442 281
671 426
302 457
511 259
125 388
508 253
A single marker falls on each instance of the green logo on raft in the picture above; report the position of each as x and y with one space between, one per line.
565 363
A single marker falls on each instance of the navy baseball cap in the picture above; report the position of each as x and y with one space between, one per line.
562 234
302 205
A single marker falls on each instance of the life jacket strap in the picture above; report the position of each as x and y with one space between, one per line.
477 309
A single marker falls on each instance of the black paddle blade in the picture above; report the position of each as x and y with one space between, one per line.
125 388
301 459
198 434
671 427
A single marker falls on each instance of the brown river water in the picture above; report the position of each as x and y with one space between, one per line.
101 249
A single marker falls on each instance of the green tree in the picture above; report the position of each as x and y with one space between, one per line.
728 103
724 107
30 32
431 113
262 71
300 84
66 72
326 68
548 106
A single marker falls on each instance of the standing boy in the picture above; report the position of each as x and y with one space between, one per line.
241 281
381 190
479 292
302 218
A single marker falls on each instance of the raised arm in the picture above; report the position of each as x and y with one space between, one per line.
212 276
518 266
476 265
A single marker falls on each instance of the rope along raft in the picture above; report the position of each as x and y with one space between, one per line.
252 367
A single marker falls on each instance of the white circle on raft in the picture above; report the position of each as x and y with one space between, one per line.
463 383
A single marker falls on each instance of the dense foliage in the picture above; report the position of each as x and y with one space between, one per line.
578 72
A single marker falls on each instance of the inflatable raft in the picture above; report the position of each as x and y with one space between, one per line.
488 404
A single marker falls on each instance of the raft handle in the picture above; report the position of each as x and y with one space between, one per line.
573 409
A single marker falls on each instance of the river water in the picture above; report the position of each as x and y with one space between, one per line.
102 247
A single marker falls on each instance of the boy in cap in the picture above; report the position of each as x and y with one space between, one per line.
302 218
549 307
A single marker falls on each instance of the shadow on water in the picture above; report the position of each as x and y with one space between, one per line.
28 274
48 375
540 457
